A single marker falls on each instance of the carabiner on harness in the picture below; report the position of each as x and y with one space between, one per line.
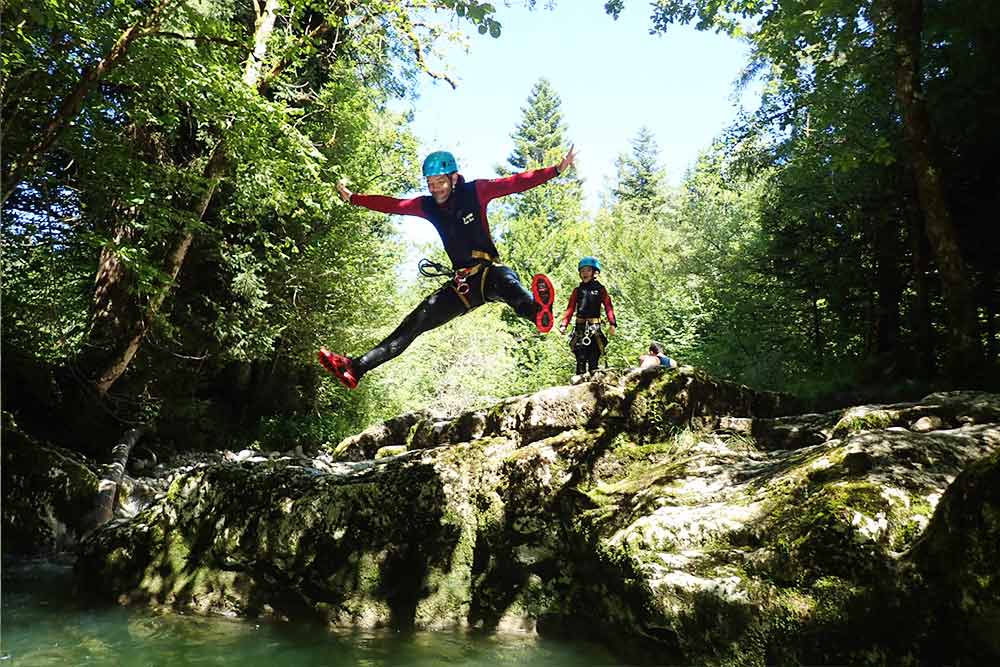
590 330
461 281
429 269
460 277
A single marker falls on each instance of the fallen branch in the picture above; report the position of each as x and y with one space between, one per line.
108 487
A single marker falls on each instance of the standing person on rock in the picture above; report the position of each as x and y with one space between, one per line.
588 341
457 209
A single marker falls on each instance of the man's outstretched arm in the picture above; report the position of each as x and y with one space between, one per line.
380 203
488 189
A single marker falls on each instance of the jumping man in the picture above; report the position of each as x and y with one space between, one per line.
457 209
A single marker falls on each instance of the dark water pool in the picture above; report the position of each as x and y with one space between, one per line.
43 625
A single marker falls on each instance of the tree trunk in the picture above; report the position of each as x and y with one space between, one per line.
123 355
112 306
964 349
989 302
817 329
71 105
262 32
888 288
920 308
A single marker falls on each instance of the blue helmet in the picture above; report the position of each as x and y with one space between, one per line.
592 262
439 162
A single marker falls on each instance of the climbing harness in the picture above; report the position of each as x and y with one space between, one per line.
589 332
591 328
460 277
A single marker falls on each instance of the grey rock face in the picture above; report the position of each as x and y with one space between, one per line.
682 519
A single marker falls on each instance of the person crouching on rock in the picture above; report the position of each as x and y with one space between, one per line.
457 209
587 340
656 358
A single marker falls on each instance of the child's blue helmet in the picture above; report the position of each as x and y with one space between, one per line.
592 262
439 162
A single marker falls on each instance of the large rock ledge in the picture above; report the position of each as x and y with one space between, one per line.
653 403
682 519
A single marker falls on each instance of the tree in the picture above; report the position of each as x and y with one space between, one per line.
212 34
26 158
640 177
816 56
195 179
541 132
542 230
540 140
903 19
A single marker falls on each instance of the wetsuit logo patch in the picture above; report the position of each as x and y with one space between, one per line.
468 217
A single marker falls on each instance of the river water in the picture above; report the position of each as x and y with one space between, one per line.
43 625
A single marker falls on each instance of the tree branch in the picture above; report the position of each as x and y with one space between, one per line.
320 29
194 38
282 64
418 52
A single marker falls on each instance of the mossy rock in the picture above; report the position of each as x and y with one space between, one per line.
573 510
390 450
861 419
660 402
390 432
958 557
838 529
49 494
658 406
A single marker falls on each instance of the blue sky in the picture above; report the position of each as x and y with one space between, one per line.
613 77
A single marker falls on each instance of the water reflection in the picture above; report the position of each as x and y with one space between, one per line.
43 625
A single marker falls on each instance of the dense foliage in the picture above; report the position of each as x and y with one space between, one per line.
174 248
871 255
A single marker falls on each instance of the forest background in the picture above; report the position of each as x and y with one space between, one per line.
174 250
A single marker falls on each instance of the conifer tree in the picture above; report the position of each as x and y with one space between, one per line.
640 178
541 132
540 140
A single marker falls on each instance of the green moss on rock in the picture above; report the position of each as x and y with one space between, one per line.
671 544
858 420
830 530
390 450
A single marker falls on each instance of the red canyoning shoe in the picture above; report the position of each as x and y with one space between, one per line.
545 296
340 366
